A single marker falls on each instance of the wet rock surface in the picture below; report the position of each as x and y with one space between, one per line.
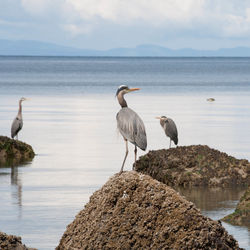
134 211
241 216
196 165
13 152
12 242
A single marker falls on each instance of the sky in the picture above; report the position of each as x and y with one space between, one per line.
106 24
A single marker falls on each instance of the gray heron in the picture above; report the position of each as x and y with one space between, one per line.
129 124
169 128
17 124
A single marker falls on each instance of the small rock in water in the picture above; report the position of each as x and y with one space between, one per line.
14 152
12 242
241 215
210 99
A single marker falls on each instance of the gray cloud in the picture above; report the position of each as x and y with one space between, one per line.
115 23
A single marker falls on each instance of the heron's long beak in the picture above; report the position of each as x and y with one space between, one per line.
133 89
158 117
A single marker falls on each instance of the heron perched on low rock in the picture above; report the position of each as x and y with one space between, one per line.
170 129
130 124
17 124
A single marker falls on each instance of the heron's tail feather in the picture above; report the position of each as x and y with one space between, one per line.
175 140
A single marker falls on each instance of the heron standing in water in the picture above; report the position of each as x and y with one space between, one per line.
170 129
17 124
130 124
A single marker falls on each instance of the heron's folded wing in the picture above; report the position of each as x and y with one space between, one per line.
171 129
131 127
16 126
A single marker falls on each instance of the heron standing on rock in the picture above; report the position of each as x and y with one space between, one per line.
130 124
17 124
170 129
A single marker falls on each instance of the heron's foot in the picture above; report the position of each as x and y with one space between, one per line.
120 172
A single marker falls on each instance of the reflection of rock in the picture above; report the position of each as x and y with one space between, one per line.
212 198
134 211
194 165
13 152
12 242
241 216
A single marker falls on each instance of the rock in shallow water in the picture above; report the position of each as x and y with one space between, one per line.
13 152
196 165
241 216
134 211
12 242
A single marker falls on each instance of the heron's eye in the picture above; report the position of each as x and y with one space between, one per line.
121 88
124 88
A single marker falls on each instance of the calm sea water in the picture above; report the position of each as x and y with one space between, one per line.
70 122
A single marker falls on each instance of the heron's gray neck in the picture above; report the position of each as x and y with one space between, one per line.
121 100
20 109
162 122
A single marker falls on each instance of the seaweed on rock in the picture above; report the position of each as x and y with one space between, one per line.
13 152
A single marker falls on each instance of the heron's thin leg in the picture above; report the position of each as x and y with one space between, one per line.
126 154
135 157
17 137
170 144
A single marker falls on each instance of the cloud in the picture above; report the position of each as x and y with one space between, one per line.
43 9
237 25
219 18
12 24
126 23
77 29
126 12
224 17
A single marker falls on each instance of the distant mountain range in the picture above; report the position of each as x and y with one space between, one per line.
36 48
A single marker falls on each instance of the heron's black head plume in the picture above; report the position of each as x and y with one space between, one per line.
122 87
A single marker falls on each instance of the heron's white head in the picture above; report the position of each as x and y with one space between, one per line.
23 99
162 118
124 89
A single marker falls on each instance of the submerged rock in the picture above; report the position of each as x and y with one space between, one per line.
241 216
13 152
12 242
194 165
134 211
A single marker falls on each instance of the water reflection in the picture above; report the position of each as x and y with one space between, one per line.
16 184
242 234
216 203
216 198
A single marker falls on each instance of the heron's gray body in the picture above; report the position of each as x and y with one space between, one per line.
170 129
131 127
16 126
